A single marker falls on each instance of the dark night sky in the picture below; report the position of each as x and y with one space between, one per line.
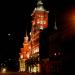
16 17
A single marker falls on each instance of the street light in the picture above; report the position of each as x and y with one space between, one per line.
3 70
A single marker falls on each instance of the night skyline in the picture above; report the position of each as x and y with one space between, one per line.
16 20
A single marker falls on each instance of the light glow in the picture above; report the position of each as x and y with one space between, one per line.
21 56
55 54
3 70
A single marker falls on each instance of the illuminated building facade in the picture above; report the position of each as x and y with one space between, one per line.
39 23
30 51
41 52
24 54
21 63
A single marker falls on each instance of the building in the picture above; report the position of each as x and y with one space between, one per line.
40 52
25 53
31 51
21 63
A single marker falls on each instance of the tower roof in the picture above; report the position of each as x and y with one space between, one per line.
39 3
39 7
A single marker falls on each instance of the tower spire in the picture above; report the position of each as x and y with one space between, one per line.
26 34
55 26
26 37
